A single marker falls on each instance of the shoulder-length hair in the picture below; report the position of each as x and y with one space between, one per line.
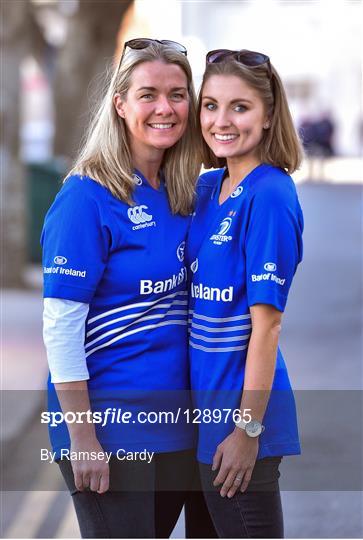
280 145
105 154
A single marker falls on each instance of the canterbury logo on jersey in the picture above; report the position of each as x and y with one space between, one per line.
137 214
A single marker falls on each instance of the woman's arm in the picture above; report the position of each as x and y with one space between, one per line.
236 455
63 333
73 396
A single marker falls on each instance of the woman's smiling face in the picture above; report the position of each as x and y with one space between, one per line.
232 117
156 106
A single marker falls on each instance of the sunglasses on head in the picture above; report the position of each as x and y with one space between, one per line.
143 43
244 57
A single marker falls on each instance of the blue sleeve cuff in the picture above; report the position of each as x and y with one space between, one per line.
268 296
68 292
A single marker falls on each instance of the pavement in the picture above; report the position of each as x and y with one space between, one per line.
320 341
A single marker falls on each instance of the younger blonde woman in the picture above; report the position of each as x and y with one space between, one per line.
244 246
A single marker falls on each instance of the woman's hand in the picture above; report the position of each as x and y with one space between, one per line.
88 473
235 457
73 396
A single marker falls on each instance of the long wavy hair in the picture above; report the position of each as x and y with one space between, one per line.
280 145
105 154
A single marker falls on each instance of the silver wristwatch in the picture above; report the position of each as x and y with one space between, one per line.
254 428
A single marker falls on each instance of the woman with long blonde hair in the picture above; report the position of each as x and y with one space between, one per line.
116 307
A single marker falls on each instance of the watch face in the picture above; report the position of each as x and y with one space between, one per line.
253 428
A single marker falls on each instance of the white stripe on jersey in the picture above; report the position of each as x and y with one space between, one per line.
218 349
225 339
138 304
219 319
136 315
145 318
126 334
225 329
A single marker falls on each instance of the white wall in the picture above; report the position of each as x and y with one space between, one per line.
317 43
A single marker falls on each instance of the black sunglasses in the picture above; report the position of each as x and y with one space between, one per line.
247 58
143 43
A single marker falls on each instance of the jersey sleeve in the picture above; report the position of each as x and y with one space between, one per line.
76 239
273 245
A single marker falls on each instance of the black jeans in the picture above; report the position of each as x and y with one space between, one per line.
144 500
256 513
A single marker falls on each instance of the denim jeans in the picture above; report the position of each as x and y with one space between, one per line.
144 500
256 513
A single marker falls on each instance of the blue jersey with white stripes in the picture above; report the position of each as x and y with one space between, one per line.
127 263
242 252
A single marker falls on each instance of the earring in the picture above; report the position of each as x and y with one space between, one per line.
266 125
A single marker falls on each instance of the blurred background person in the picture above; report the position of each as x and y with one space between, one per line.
317 135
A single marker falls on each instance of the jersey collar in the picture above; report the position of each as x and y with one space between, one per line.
141 180
243 184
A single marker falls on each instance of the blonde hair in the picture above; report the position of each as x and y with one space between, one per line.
280 145
105 155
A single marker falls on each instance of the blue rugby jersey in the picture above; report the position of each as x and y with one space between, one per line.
242 252
127 263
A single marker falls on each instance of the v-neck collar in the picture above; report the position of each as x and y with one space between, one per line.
246 180
141 180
